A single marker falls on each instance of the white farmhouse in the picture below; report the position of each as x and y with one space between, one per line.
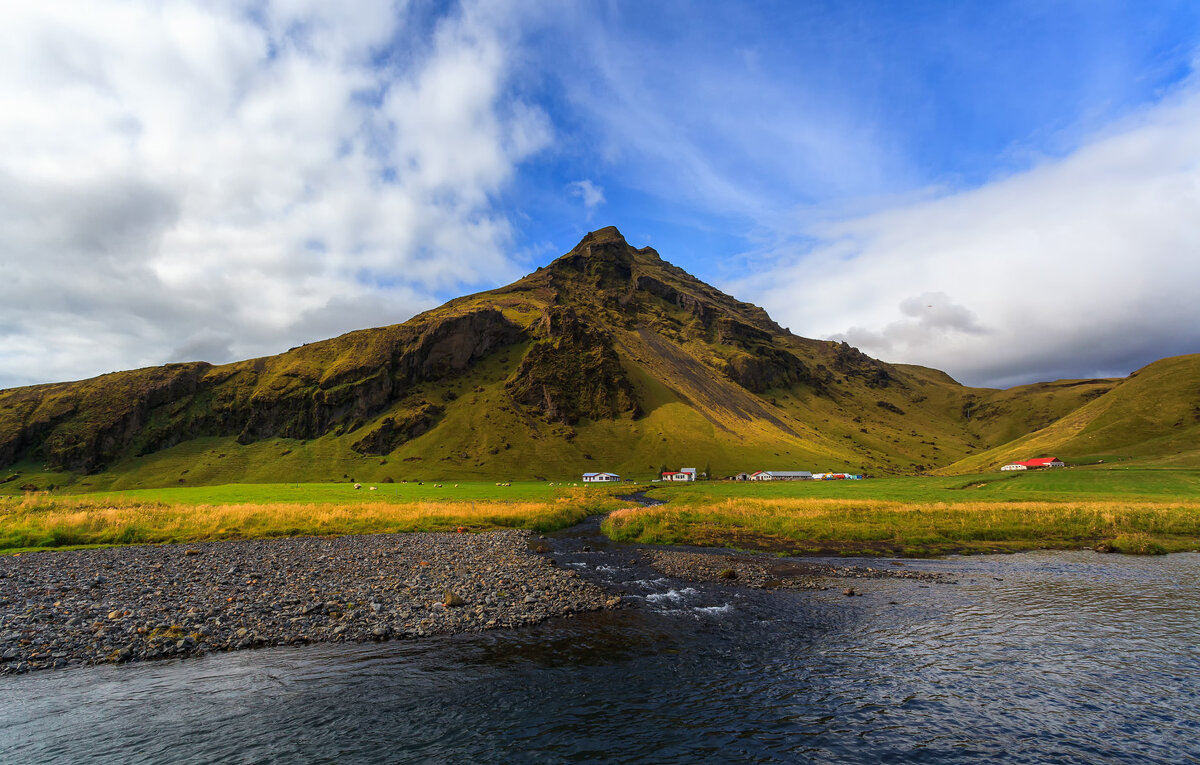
600 477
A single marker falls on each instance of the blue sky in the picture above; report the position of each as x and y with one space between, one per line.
725 127
1006 191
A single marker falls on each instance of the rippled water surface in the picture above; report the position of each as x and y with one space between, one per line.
1067 657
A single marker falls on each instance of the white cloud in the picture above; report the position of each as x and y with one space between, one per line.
591 195
222 180
1084 265
930 318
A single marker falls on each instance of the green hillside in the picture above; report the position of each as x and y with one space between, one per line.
1151 416
609 358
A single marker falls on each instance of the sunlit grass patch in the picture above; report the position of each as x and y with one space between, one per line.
44 521
831 525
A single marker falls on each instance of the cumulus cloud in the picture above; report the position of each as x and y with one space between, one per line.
929 319
205 345
591 195
194 179
1086 265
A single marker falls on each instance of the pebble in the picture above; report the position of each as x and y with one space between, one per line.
119 604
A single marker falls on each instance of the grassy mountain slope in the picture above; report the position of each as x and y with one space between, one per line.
1154 414
609 358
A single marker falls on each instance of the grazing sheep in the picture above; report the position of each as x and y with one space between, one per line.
372 488
358 485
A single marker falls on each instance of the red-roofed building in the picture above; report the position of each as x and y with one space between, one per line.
687 474
1036 462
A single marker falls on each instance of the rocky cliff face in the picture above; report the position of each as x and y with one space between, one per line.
82 426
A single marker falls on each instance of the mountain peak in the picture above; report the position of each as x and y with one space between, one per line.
602 244
602 236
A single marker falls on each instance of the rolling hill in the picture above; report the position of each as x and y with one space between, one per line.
608 358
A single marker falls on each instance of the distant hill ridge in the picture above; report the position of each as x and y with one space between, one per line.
607 358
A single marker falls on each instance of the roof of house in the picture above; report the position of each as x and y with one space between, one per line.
782 472
1037 461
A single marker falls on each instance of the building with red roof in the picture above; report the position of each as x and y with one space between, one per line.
1036 462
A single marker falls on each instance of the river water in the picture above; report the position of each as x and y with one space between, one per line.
1036 657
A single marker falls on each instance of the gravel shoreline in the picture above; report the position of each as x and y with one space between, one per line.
121 604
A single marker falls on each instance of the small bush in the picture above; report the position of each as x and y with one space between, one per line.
1137 544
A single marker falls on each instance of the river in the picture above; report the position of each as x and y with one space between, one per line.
1035 657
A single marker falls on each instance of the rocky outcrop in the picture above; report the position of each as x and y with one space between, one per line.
732 332
767 368
852 362
449 347
395 430
572 373
440 349
679 298
80 426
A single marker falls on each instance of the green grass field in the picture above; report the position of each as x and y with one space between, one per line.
1099 482
1129 508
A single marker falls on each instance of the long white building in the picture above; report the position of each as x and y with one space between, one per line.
782 475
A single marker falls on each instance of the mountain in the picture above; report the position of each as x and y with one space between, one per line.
609 358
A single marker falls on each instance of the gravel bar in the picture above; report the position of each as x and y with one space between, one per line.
121 604
771 573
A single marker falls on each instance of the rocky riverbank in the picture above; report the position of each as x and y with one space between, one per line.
133 603
771 573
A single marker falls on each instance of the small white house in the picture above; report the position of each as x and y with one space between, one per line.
600 477
687 474
1014 466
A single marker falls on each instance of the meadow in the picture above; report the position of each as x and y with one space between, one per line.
1135 510
1096 482
240 511
1130 509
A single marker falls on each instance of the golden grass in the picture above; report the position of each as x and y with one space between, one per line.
42 520
910 528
